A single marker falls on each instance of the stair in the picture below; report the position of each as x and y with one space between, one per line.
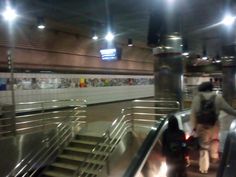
73 156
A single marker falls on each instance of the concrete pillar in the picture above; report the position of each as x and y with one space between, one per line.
168 69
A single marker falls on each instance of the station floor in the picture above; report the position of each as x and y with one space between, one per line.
106 111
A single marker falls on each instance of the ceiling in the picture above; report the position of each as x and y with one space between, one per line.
130 18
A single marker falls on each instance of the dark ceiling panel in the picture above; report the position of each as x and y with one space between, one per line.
130 18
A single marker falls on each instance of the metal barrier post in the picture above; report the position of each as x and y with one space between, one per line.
11 68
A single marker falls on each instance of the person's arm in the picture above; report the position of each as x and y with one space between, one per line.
226 107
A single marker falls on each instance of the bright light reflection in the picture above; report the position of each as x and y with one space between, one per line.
228 20
109 36
163 170
204 58
95 37
185 54
9 14
41 26
174 37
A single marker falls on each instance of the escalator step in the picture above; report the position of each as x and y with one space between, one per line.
195 163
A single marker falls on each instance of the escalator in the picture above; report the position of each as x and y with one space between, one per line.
148 161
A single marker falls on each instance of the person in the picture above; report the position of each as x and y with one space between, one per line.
174 149
208 135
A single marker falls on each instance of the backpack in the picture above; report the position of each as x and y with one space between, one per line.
207 114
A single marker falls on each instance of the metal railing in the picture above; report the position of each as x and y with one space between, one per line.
64 122
35 116
126 122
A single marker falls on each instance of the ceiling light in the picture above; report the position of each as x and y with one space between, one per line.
9 14
228 20
174 37
130 42
109 36
185 54
95 37
41 24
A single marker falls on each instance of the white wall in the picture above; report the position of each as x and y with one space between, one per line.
91 94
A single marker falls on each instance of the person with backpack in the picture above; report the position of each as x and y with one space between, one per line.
174 149
205 110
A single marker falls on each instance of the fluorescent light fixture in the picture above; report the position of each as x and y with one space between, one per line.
41 24
9 14
95 37
174 37
185 54
228 20
109 36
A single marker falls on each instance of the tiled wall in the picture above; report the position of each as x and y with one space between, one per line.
55 86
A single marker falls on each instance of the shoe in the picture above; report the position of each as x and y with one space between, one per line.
203 171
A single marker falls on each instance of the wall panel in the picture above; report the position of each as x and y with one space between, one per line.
93 88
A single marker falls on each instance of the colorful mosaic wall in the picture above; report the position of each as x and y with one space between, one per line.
57 83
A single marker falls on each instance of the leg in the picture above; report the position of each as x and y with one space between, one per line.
214 145
204 141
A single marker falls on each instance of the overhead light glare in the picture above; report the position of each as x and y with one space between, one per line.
41 26
228 20
109 36
41 23
185 54
173 37
9 14
95 37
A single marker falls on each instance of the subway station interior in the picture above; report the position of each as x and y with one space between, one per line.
87 86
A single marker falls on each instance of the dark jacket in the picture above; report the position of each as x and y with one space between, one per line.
174 144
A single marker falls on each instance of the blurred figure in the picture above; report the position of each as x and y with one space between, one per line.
206 129
174 148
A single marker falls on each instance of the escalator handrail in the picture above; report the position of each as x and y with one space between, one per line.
226 153
143 152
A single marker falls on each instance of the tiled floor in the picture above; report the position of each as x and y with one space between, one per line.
106 112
